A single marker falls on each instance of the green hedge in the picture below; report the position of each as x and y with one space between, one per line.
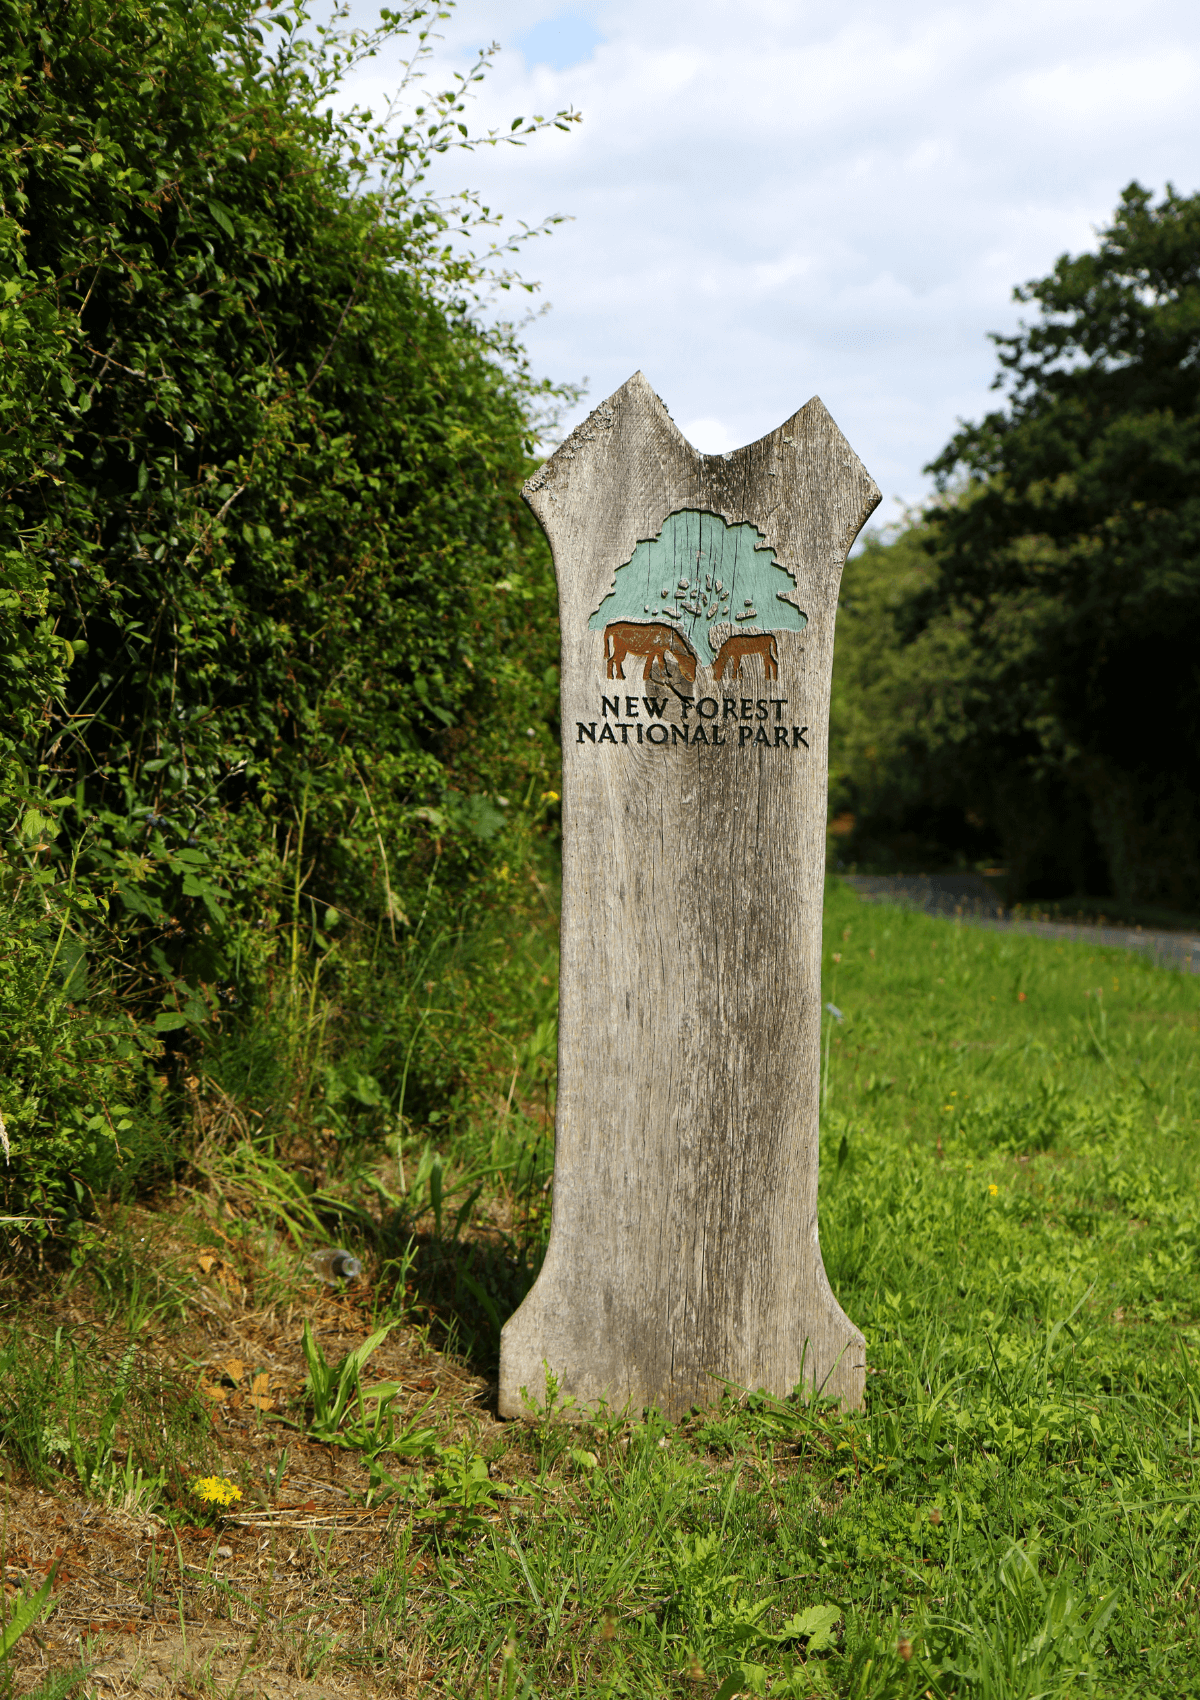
277 630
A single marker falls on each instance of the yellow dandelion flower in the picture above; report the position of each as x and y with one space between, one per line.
549 796
216 1490
992 1191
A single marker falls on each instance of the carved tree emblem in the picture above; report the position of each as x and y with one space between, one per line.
709 581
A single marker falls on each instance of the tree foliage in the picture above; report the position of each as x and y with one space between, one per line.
1063 572
276 626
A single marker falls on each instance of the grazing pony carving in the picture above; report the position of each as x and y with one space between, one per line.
655 642
735 649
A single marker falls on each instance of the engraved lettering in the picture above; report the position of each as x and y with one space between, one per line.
774 737
615 705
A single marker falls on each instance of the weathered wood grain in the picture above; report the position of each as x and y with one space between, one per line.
683 1250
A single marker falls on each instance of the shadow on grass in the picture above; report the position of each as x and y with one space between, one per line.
454 1249
465 1289
453 1265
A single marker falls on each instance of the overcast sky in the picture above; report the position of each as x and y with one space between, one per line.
774 199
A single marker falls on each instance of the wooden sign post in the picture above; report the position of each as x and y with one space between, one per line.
697 595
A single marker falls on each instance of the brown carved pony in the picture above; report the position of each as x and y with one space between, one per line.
735 649
655 642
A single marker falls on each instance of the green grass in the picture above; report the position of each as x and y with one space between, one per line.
1008 1210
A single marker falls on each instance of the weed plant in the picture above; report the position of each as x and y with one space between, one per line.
120 1426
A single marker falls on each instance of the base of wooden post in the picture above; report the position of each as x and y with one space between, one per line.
594 1368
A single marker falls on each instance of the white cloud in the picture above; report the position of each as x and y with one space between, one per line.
779 199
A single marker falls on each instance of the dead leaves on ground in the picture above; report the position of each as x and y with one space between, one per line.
228 1390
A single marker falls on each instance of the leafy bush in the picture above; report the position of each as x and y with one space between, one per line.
279 647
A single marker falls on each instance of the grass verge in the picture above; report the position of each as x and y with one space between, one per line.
1007 1209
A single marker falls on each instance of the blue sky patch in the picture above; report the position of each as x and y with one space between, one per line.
560 42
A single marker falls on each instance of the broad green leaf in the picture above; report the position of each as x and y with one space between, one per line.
816 1623
221 214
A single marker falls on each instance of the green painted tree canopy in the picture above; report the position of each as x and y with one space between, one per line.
706 579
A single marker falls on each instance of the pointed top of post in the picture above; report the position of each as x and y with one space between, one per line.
819 493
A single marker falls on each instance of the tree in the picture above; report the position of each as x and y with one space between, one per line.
1072 555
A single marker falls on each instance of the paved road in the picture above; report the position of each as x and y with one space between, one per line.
968 898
